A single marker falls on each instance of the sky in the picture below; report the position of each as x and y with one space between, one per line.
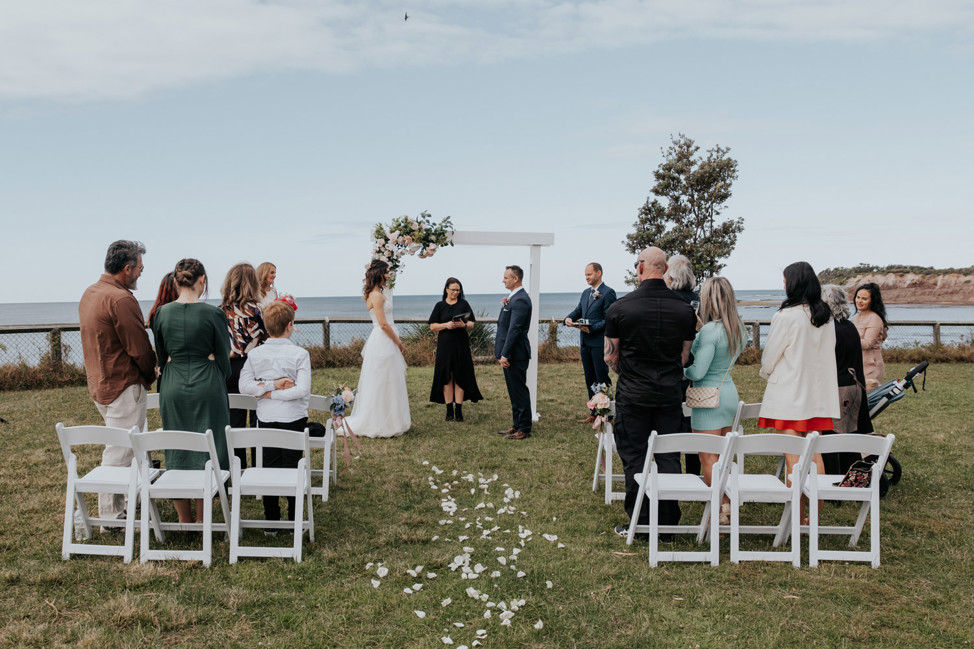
242 130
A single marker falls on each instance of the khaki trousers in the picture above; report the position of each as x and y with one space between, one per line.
124 412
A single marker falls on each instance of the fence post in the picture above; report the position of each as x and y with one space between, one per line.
756 335
936 334
57 351
553 333
326 334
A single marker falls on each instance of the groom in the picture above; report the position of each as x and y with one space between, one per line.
513 351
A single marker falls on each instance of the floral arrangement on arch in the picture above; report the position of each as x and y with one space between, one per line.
409 236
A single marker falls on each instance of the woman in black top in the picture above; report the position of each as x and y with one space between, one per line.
453 377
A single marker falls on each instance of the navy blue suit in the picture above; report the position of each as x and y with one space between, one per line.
511 342
591 344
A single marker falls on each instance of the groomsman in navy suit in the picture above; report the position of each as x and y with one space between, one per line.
595 301
513 351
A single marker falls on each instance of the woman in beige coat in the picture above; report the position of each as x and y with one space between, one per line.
798 363
871 322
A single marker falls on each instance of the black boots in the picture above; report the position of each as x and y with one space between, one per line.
454 412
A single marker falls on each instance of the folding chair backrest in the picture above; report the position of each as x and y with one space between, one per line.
855 443
159 440
269 437
152 401
769 444
242 401
687 443
81 435
745 411
319 402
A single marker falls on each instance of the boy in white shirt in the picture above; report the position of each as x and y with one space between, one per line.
282 401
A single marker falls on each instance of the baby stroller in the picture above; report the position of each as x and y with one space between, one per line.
878 400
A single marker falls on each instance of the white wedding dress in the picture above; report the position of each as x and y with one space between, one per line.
381 407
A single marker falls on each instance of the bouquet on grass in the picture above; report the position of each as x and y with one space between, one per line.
342 397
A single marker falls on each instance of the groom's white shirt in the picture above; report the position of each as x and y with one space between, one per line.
519 288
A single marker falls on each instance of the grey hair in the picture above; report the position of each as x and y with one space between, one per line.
123 253
838 302
679 275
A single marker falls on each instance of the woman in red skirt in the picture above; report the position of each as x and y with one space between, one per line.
798 363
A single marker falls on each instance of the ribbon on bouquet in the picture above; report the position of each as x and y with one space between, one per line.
597 425
338 423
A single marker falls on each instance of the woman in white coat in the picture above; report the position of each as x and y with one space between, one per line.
798 362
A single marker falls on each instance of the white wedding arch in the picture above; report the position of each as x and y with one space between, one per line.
535 241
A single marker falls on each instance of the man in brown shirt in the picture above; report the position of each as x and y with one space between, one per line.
119 361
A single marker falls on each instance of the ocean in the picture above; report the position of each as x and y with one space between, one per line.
755 306
552 305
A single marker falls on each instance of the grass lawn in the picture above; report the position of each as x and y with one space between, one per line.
585 586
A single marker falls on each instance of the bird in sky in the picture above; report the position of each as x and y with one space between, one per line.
407 16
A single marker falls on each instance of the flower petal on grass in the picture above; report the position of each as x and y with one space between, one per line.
539 625
420 614
446 602
375 583
382 571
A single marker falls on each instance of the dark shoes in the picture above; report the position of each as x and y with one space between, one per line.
449 412
519 434
459 411
623 531
509 431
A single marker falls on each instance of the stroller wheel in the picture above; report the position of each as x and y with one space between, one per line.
892 471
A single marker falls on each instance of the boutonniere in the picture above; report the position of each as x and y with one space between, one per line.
506 301
596 295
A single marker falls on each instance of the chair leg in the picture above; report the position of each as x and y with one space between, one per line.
812 528
208 525
235 522
653 529
608 450
860 522
311 514
874 529
68 521
715 529
144 526
635 513
735 530
130 520
598 462
298 523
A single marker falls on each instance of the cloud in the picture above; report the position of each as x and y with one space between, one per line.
118 49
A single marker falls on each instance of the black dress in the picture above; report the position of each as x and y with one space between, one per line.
453 358
848 355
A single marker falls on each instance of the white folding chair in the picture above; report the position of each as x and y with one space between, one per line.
202 484
100 480
745 411
604 455
767 488
681 486
328 473
152 401
824 487
270 482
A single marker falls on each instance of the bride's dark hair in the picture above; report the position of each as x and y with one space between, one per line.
375 277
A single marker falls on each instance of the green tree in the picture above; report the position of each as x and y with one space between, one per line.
682 216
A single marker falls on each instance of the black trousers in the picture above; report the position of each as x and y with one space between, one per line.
238 418
593 364
633 427
280 458
516 377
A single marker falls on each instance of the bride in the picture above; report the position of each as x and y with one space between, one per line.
382 405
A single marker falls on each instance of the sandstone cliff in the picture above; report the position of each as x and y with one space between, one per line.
912 288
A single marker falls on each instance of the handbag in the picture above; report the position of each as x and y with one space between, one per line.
705 397
859 475
850 401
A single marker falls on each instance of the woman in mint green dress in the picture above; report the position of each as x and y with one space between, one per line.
715 350
193 348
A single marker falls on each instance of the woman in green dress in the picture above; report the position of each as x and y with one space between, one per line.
715 350
193 349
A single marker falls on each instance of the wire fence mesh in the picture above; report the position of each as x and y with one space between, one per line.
29 345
